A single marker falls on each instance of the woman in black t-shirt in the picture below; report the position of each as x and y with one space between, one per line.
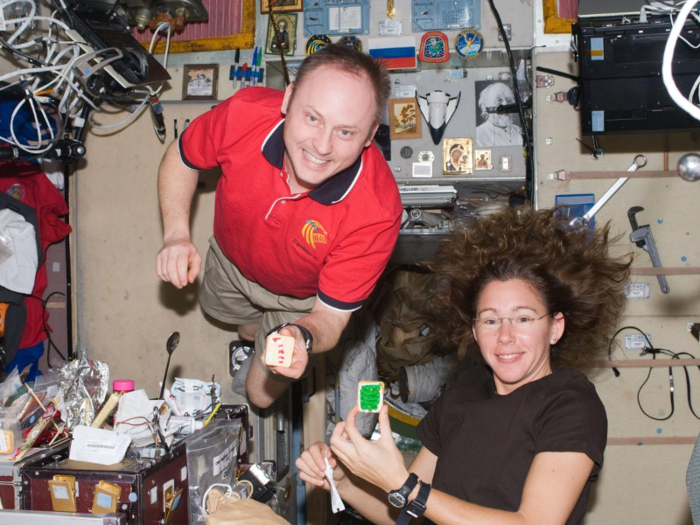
519 439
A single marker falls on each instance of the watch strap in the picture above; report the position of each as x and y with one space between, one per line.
415 508
305 333
405 489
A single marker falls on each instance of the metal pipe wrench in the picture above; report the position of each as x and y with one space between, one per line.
642 237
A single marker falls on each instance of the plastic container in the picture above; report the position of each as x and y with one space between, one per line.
10 433
123 385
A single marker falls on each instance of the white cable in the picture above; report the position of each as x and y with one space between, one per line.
144 101
692 91
36 120
24 25
667 63
32 18
30 71
670 16
228 494
129 118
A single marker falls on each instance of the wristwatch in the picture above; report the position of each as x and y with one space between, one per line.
416 508
305 333
399 497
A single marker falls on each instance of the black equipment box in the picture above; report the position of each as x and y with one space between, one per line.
621 88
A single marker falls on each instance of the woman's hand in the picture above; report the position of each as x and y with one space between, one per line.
378 462
311 465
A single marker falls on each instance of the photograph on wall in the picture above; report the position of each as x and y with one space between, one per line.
287 32
405 119
199 81
457 156
495 129
482 159
281 6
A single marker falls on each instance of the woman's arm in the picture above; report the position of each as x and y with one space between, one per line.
364 497
552 488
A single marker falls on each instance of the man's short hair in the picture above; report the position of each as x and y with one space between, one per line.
354 62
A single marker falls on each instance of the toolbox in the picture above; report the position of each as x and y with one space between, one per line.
11 473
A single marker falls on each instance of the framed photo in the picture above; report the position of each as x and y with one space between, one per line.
482 159
199 81
495 129
281 6
405 119
457 156
287 30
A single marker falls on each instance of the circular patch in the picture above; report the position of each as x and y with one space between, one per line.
16 191
317 42
469 43
434 47
351 41
426 156
407 152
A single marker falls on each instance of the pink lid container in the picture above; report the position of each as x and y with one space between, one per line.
123 385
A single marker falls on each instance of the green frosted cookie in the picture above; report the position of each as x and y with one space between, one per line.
370 396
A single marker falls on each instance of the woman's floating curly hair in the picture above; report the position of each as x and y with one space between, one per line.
571 270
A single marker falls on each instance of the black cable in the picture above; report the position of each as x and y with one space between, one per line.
654 351
51 344
673 401
23 56
48 332
612 340
518 99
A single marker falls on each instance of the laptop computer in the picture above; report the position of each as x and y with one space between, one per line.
97 26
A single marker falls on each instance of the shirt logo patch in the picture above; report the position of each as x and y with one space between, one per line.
314 233
16 191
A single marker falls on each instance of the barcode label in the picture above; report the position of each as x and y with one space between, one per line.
99 447
637 291
636 341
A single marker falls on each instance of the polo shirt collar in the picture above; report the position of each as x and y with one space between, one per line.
331 191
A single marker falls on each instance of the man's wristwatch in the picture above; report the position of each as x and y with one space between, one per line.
416 508
399 497
305 333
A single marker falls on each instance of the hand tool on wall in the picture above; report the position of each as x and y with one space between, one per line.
642 237
639 162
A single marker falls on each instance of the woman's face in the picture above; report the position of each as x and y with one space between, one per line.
517 352
456 154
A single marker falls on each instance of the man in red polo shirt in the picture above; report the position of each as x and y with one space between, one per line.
307 210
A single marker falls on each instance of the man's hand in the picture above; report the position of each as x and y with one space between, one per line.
178 262
300 357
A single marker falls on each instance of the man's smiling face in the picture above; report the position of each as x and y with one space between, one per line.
330 119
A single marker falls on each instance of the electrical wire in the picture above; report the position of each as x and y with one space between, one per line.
649 349
667 62
54 77
516 91
139 109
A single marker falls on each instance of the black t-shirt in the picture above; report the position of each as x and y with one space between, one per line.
486 442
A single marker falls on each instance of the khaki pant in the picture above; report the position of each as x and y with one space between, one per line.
229 297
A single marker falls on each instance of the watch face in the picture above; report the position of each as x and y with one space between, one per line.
397 499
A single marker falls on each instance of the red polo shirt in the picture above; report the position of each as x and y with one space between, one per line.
334 241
